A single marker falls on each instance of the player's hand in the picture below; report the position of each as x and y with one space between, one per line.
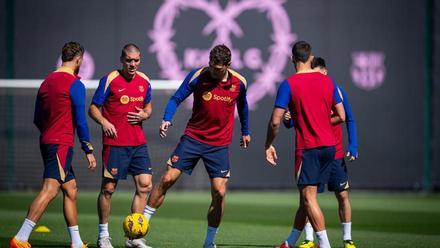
137 117
287 116
352 156
92 161
109 129
245 140
271 155
164 128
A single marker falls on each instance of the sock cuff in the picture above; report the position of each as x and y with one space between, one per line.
210 228
73 228
31 223
150 208
321 232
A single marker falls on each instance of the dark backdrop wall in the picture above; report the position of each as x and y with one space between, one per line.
374 50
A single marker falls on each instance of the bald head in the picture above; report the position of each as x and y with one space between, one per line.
129 48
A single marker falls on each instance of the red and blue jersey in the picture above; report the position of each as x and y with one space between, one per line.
337 129
117 97
212 119
60 108
310 98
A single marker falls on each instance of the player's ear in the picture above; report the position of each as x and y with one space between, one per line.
228 64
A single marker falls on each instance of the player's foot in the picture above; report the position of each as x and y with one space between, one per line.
104 242
211 245
136 243
15 243
285 244
307 244
82 246
349 244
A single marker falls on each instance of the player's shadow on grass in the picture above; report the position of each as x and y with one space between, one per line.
242 245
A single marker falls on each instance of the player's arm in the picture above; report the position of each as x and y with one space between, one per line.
339 112
243 114
287 119
185 89
78 99
350 124
144 113
37 113
273 127
98 100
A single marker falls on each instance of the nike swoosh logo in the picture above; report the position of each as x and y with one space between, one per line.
120 90
223 171
342 184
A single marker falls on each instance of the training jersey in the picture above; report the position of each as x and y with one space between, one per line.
350 125
212 118
117 96
310 98
60 108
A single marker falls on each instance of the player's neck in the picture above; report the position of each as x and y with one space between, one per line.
68 67
126 76
303 68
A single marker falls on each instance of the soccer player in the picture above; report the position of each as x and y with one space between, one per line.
310 97
338 181
216 90
121 103
59 109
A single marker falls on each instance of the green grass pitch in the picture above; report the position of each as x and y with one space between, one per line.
252 219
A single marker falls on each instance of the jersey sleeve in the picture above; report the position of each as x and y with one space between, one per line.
185 89
283 95
148 94
243 110
336 96
350 124
78 98
101 92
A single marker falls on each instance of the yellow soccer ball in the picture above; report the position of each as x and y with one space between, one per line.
135 226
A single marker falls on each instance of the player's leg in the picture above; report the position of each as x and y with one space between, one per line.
115 161
298 225
315 171
159 191
140 168
345 217
108 187
143 188
183 159
48 192
217 164
54 159
70 212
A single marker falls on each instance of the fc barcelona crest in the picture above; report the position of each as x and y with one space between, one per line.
368 69
141 88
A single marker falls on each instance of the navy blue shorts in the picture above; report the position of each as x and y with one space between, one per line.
57 161
118 161
338 180
312 166
189 151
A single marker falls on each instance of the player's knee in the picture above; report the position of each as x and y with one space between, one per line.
167 181
219 193
71 193
144 188
342 196
107 192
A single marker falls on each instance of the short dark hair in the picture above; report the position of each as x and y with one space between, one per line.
71 50
130 47
318 62
220 55
301 51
